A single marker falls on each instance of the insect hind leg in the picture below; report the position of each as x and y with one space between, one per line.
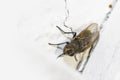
89 54
84 65
79 64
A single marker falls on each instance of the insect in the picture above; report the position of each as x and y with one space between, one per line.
86 40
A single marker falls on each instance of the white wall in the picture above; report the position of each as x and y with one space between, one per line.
26 27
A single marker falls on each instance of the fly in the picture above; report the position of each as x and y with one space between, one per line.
85 40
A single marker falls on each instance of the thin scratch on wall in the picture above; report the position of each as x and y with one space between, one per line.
104 72
113 55
67 15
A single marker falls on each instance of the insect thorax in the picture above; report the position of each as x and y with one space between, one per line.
79 43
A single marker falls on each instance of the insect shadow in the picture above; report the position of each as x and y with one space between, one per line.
86 39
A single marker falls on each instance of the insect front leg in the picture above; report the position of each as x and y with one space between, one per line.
57 45
63 32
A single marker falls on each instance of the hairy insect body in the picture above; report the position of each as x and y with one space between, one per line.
81 42
78 49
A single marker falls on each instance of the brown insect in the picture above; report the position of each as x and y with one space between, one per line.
85 40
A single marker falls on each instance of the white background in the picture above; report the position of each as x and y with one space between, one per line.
26 27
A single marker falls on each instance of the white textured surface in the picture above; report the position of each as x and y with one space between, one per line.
26 27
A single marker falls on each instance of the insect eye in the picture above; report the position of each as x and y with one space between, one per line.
76 38
69 51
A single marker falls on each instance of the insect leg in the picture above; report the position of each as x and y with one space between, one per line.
86 60
79 64
75 58
73 33
92 48
57 45
60 55
68 27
